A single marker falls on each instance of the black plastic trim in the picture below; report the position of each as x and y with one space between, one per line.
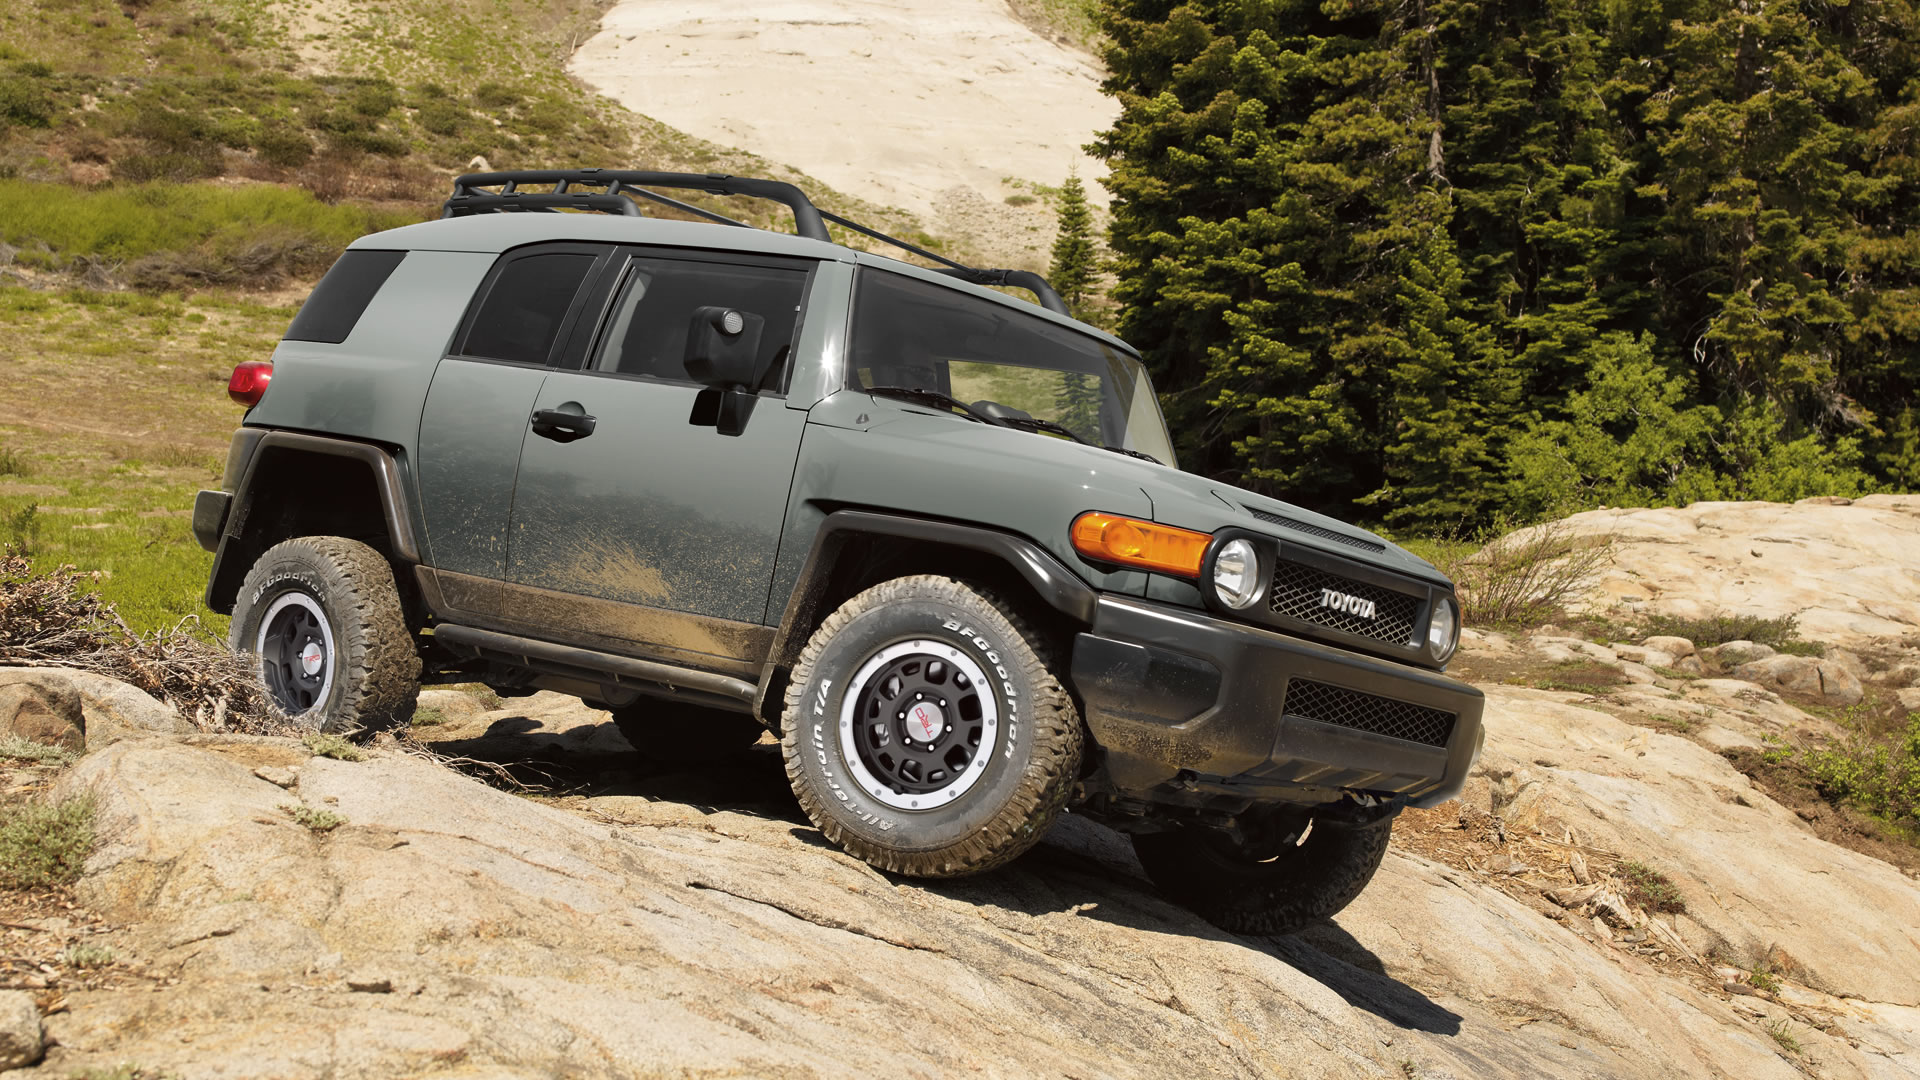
1049 577
223 582
1167 741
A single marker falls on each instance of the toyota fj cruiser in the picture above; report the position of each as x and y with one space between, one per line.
718 479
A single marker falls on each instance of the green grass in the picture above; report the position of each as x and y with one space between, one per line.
1719 629
429 717
126 223
1763 978
1069 21
44 844
116 405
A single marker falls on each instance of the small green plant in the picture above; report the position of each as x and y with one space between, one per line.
1763 978
428 718
1651 889
1782 1033
15 748
1680 724
12 462
23 529
1802 648
86 954
332 746
320 821
1777 751
44 844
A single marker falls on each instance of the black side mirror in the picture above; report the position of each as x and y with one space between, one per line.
723 351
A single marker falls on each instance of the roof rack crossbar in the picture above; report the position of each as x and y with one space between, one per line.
685 207
1015 279
472 194
806 217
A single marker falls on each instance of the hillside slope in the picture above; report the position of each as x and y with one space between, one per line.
1611 897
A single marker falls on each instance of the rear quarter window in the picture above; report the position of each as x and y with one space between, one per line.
329 315
521 316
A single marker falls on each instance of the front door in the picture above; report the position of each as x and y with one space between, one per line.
647 509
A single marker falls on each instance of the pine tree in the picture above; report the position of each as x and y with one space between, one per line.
1074 254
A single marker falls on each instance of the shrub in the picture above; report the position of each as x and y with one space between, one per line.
86 954
1711 630
1522 578
283 146
332 746
24 102
174 167
17 748
374 100
494 95
443 117
1651 889
1879 775
12 463
44 844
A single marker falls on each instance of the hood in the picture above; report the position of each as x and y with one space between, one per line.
1036 484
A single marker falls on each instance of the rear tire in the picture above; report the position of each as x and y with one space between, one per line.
1276 891
676 731
324 618
924 734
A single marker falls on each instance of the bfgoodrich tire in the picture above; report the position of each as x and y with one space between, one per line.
324 618
924 733
1273 890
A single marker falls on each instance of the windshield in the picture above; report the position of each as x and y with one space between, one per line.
916 335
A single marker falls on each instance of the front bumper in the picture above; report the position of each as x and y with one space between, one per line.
1198 711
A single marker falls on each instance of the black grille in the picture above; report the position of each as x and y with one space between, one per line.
1315 530
1366 712
1299 592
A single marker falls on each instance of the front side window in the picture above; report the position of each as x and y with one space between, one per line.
659 300
522 314
915 335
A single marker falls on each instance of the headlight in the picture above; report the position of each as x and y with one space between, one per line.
1236 574
1443 631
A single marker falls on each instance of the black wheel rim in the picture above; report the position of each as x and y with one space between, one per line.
296 653
918 723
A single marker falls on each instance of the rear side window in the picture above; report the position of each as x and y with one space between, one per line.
524 309
651 320
342 296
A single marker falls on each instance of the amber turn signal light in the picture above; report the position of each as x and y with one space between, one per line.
249 382
1131 542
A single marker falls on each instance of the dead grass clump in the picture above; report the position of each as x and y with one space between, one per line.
52 620
44 844
1523 578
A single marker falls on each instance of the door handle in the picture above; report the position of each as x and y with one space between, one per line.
564 424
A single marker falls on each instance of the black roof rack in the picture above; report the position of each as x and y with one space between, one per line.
607 191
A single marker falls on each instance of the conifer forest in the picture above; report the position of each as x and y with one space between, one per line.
1444 263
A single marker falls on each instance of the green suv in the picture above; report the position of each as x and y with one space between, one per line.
718 479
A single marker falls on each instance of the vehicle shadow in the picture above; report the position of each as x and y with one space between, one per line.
1080 867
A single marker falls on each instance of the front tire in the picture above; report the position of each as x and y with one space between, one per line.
324 618
924 734
1276 889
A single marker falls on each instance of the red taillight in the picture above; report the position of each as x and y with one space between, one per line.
249 382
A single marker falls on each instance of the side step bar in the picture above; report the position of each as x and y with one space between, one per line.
623 670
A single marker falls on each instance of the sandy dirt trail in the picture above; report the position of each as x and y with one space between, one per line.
896 101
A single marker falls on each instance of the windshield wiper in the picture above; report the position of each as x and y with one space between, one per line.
1142 455
1034 423
930 397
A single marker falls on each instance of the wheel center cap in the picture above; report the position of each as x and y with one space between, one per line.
312 657
925 721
